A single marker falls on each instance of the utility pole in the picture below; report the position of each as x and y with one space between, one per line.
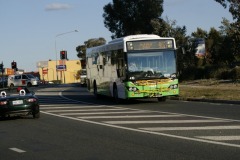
2 70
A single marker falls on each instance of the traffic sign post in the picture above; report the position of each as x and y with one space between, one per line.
61 67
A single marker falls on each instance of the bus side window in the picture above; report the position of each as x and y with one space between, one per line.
120 64
113 58
95 58
120 67
104 58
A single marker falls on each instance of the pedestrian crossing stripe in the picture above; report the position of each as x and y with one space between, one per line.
130 116
190 128
97 113
165 121
220 138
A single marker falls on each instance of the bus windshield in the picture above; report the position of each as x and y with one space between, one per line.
151 65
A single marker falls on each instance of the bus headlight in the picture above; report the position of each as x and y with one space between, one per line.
132 78
132 89
173 86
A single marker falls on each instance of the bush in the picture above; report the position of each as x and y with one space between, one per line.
235 73
57 81
210 72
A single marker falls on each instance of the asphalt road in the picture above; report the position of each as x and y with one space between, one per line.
75 125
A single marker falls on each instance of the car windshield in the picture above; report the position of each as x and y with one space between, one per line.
30 76
151 65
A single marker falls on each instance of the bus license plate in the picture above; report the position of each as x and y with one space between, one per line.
17 102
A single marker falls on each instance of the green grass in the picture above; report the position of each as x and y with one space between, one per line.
222 91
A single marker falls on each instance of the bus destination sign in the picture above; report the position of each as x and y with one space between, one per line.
150 44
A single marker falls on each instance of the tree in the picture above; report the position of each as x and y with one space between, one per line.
234 7
81 50
234 28
130 17
213 44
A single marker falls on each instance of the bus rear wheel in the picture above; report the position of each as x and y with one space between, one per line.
95 90
115 94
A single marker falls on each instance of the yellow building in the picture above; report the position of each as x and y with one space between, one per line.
66 70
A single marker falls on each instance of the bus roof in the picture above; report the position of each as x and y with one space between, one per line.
119 43
135 38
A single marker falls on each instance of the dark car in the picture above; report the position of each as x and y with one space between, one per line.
19 103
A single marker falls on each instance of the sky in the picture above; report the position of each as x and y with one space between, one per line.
36 30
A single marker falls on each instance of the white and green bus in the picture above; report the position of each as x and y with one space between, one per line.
133 67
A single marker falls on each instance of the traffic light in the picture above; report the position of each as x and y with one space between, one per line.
1 66
14 65
63 55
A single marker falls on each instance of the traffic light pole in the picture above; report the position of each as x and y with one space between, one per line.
2 74
56 56
56 48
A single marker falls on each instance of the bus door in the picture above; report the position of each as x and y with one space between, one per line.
100 66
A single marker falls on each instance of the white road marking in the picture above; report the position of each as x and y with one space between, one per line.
84 110
221 138
49 107
164 121
148 132
97 113
132 116
190 128
17 150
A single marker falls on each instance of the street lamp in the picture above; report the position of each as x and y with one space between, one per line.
56 46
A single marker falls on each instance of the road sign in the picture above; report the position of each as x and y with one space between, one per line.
61 67
45 71
9 71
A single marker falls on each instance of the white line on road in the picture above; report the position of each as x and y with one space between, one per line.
164 121
63 106
97 113
17 150
89 110
221 138
130 116
190 128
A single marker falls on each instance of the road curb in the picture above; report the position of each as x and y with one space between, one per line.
206 100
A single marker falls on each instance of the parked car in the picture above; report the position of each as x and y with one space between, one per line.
3 82
19 103
21 80
83 77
